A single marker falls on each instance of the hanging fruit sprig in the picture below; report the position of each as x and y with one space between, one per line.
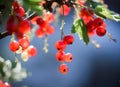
61 44
20 28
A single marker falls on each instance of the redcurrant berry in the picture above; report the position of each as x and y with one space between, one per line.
81 2
66 10
90 26
1 83
68 57
63 68
12 24
100 31
33 20
49 17
40 33
68 39
24 27
32 51
14 46
60 56
41 22
6 84
98 22
20 10
24 42
87 13
91 33
50 30
60 45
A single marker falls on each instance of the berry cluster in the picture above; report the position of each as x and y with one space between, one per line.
93 24
44 25
6 84
61 56
23 47
20 28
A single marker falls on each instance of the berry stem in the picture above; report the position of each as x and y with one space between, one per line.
16 59
45 48
110 37
76 10
95 43
62 25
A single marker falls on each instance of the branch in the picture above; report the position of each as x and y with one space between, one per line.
4 34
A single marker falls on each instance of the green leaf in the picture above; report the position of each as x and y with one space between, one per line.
102 11
35 1
33 6
80 28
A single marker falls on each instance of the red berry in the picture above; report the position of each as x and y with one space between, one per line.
86 13
68 57
100 31
41 22
24 42
60 56
63 68
98 22
49 17
24 27
90 26
40 33
66 10
50 30
68 39
60 45
12 24
15 4
1 83
81 2
91 33
6 84
33 20
20 10
32 51
14 46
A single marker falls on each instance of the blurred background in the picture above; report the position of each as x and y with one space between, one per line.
91 67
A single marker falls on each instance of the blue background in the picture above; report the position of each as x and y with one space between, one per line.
91 67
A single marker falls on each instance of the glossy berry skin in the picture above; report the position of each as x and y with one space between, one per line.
40 32
12 23
32 51
14 46
81 2
100 31
91 33
6 84
60 56
41 22
20 11
60 45
66 10
98 22
86 14
63 69
50 30
90 26
24 42
68 57
24 27
68 39
49 17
